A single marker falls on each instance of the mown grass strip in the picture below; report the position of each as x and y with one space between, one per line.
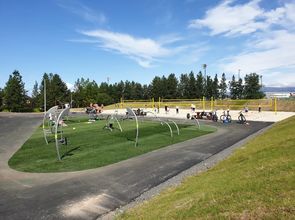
256 182
91 146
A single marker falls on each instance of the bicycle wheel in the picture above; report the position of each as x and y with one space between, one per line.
222 117
242 119
228 118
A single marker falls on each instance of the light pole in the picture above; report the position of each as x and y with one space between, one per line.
239 71
204 67
261 80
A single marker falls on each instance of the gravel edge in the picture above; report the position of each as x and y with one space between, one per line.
177 180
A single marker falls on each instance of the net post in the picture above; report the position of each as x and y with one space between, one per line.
275 105
121 102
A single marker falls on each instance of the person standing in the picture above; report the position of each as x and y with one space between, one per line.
259 108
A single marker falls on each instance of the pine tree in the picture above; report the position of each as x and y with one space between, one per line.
1 99
183 86
223 87
192 86
215 90
240 89
233 88
200 86
172 83
14 93
209 87
56 91
35 95
252 88
158 87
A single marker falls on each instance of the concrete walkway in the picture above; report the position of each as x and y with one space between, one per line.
91 193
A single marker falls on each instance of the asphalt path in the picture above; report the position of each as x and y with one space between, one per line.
92 193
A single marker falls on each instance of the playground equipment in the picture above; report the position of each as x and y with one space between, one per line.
164 122
132 114
49 120
58 135
110 122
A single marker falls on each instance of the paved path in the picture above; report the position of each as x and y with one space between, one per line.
89 194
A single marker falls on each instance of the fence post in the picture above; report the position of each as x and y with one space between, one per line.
203 103
275 105
159 104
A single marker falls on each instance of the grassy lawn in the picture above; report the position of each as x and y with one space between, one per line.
256 182
91 146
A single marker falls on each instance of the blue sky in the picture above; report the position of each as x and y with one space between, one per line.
137 40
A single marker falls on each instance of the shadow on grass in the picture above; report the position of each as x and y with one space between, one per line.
69 152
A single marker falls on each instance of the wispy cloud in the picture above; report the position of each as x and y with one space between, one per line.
269 50
230 19
144 51
83 11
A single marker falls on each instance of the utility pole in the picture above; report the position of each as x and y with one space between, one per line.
261 80
239 71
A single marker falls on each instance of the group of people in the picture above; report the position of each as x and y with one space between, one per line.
94 108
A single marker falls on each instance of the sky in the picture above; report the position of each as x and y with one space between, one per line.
137 40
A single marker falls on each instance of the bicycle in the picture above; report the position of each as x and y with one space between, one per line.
225 117
212 116
241 118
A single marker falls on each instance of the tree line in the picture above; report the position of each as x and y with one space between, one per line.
14 97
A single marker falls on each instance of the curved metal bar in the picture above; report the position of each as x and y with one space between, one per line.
171 133
64 113
118 123
52 110
131 113
159 119
197 123
112 117
175 125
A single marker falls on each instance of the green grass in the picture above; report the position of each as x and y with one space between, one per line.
91 146
256 182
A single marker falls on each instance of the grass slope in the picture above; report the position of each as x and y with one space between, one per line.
90 146
256 182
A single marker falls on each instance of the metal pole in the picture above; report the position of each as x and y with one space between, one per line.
275 105
71 99
44 82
